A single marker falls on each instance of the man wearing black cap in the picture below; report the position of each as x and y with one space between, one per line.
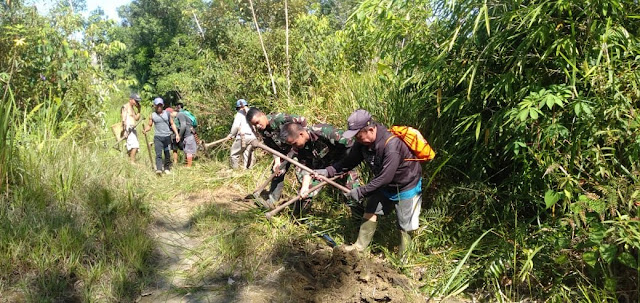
397 183
130 114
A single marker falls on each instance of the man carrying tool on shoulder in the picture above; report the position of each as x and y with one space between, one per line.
316 147
130 113
269 127
396 183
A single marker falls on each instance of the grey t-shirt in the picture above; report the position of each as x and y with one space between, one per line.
161 122
185 125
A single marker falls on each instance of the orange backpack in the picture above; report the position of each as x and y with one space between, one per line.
415 141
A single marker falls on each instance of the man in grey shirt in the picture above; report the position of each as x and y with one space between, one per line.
162 138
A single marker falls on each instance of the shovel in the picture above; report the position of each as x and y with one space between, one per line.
256 193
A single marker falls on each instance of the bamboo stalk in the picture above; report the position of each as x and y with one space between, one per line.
264 50
209 145
286 33
198 24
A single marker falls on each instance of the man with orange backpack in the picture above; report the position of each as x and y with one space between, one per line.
397 180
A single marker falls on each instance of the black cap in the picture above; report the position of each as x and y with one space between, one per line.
357 121
135 96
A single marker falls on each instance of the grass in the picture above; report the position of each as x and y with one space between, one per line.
73 223
73 230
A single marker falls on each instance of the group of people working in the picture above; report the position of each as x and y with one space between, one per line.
330 151
396 182
173 131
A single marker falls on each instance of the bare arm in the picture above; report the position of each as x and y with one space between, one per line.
148 128
306 182
173 127
137 115
123 116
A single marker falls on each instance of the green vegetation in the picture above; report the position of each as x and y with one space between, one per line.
532 107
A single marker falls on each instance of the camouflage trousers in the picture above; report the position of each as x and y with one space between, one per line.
350 181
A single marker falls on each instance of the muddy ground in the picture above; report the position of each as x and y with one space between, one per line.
309 272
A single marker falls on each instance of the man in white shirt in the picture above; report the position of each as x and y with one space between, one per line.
130 114
243 134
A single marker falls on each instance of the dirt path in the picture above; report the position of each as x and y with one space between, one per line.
306 272
176 253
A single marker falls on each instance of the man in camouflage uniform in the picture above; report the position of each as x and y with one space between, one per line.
316 147
268 126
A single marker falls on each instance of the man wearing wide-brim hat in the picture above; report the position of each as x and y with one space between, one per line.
397 183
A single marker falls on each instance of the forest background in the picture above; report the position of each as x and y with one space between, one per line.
532 107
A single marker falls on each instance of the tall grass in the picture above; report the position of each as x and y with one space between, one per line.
6 139
73 224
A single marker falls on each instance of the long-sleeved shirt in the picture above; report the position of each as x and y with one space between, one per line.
271 134
240 127
385 157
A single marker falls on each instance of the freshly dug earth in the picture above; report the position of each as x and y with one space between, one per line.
304 272
316 273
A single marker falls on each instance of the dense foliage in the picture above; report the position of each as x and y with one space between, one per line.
532 107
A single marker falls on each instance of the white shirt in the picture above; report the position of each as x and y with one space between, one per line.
241 127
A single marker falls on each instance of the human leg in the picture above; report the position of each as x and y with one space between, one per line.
132 145
236 151
190 148
277 184
158 147
166 141
408 212
248 156
377 204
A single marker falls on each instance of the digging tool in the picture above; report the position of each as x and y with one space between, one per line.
329 240
259 144
256 193
312 189
146 140
115 146
209 145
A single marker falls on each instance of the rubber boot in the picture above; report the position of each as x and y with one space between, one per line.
367 229
405 242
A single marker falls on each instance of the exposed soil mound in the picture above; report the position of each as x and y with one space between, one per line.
316 273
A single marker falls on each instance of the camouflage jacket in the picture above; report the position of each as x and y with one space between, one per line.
271 134
325 146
